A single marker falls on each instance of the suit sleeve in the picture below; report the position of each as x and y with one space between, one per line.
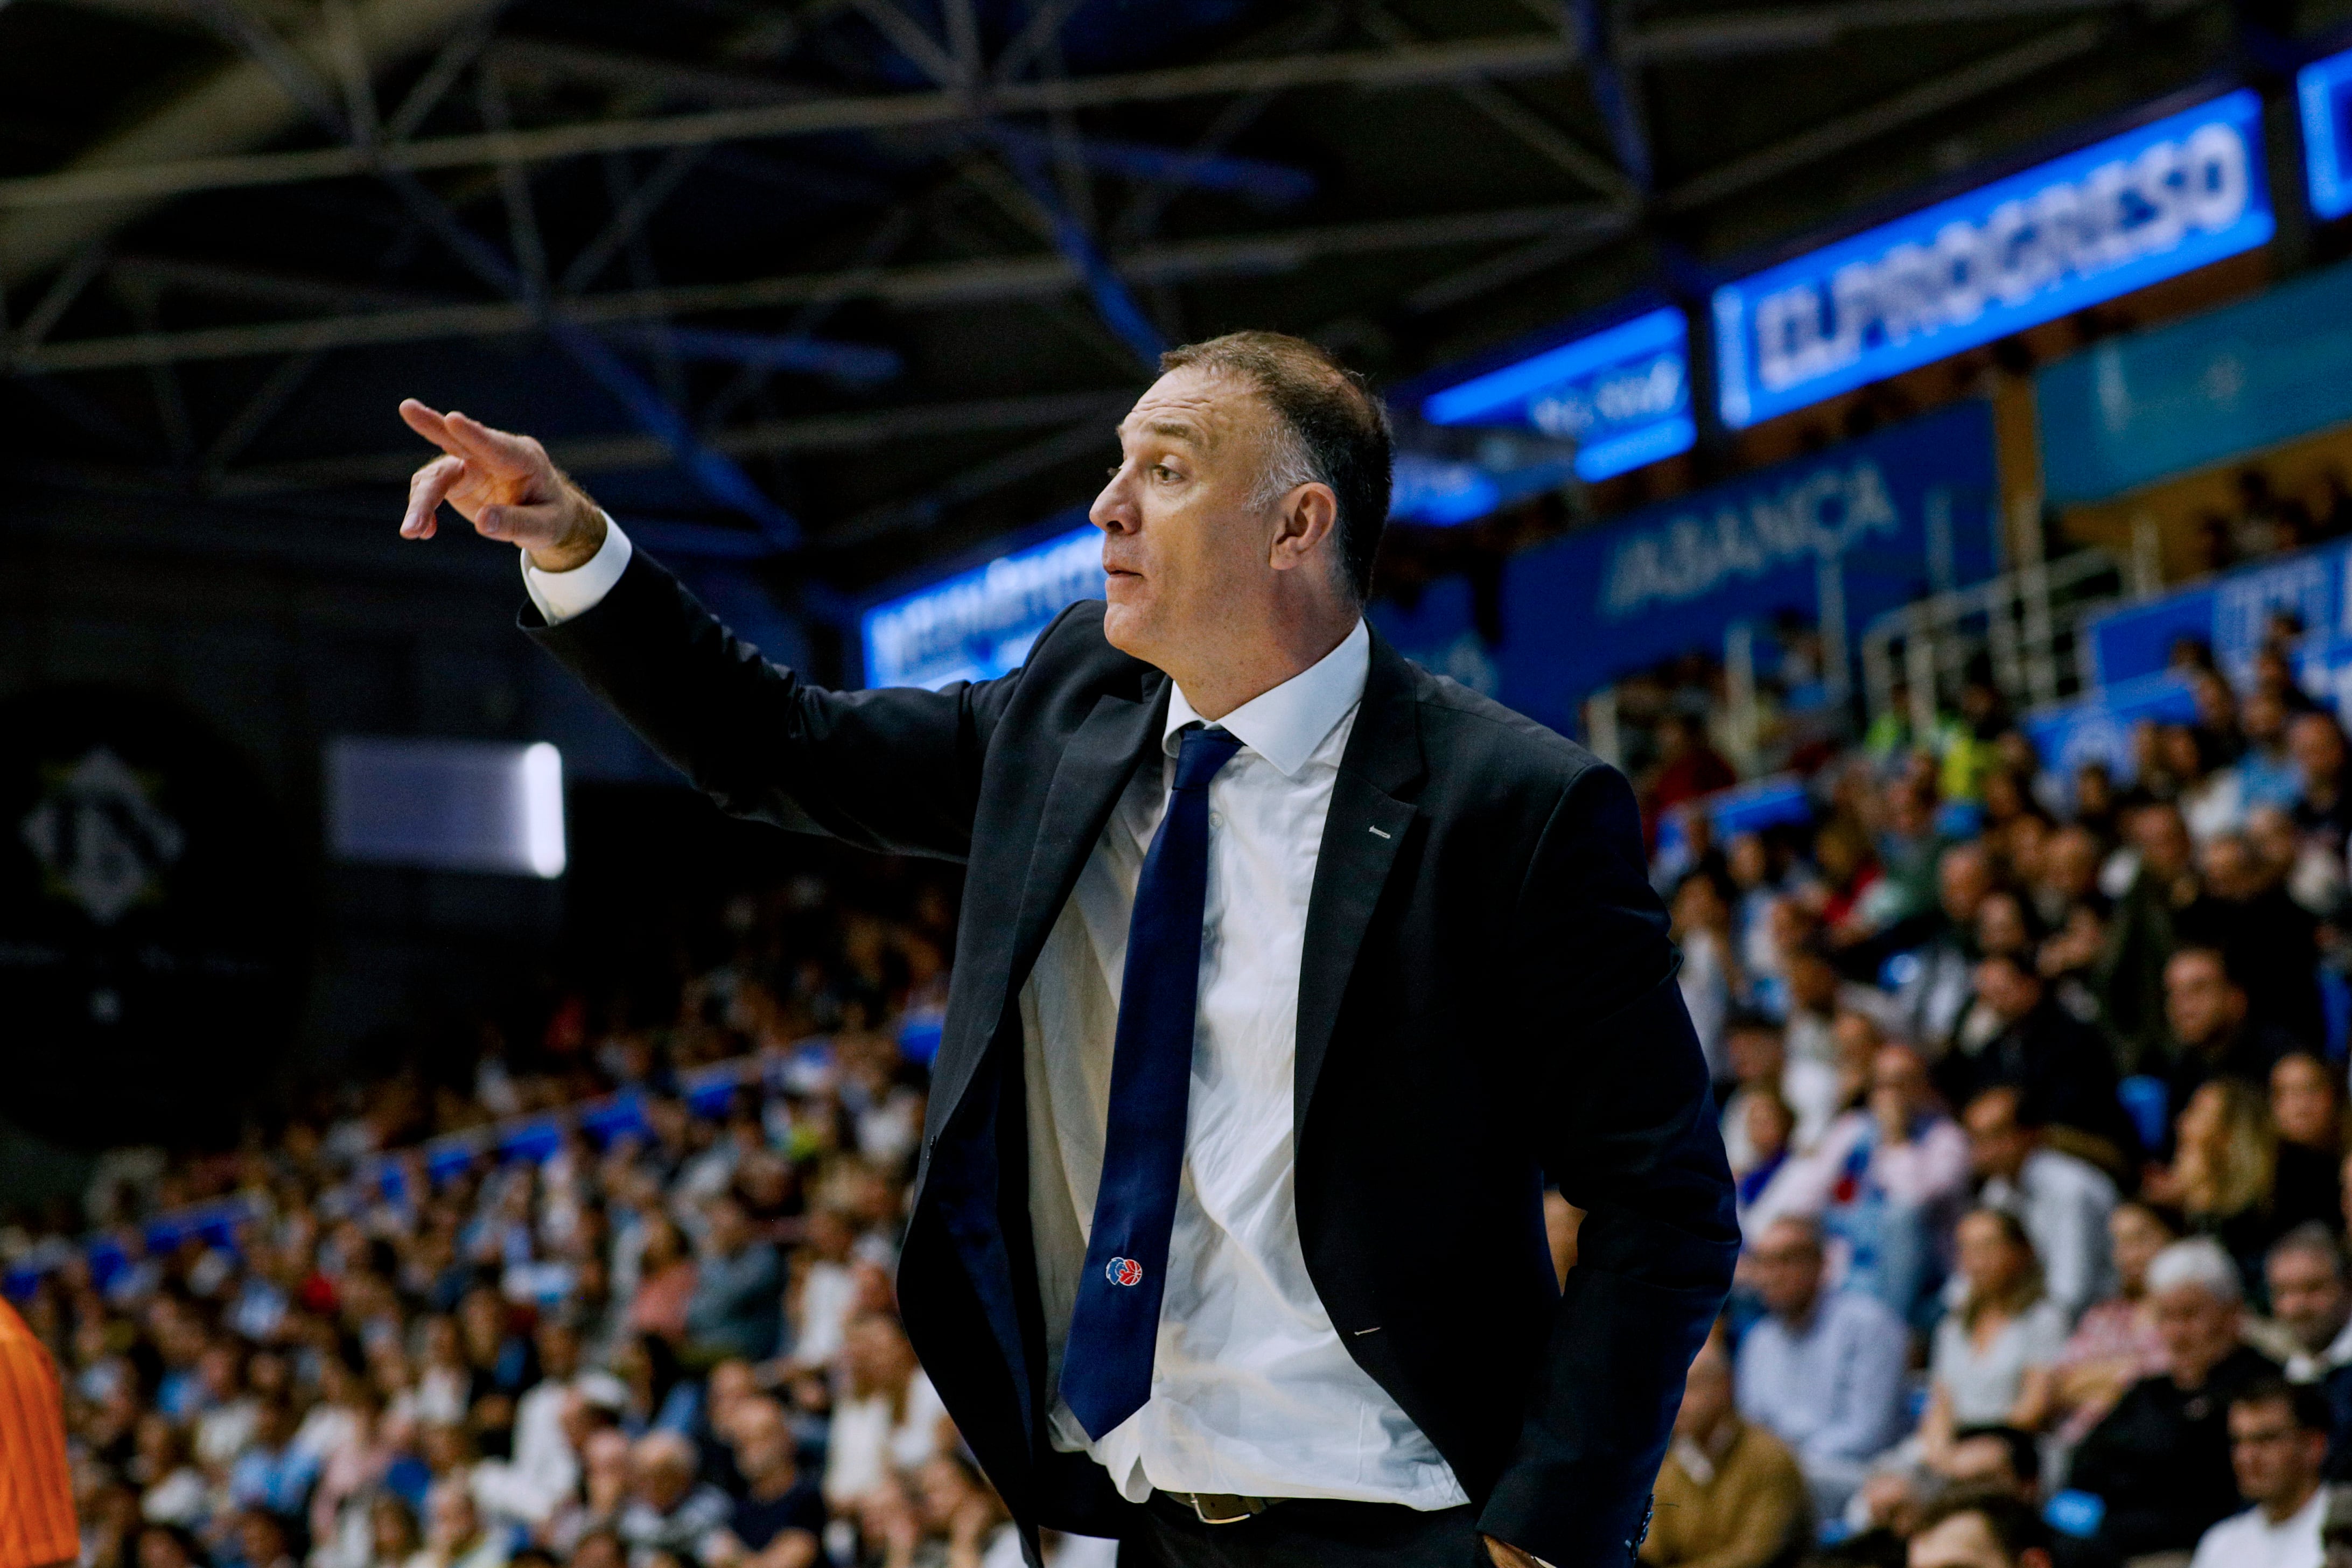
896 770
1625 1126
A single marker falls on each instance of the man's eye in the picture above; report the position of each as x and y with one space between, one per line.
1161 470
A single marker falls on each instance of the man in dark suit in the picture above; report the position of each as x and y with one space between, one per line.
1289 976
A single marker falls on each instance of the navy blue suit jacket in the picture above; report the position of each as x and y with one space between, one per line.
1486 1007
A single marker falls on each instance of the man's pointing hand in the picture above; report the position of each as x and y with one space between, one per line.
505 485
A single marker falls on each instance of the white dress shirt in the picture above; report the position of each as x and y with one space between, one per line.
2250 1540
1252 1392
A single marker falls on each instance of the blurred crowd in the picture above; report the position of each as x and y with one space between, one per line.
667 1339
2032 1083
2034 1091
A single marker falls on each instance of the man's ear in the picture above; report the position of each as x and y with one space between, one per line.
1307 518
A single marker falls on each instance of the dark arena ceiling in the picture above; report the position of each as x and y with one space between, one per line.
840 285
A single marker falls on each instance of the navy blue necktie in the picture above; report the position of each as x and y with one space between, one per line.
1107 1366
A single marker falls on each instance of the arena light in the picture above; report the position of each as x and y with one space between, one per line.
446 805
2173 196
2322 90
1621 395
980 624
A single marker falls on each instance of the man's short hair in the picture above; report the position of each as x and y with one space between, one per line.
2305 1402
2220 960
1746 1020
1330 428
2015 1526
2313 1238
1807 1228
2198 1260
2024 1452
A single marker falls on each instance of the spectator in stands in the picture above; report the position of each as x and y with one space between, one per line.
1730 1494
1774 1181
2310 1292
2212 1032
2159 1462
2231 1180
738 1302
889 1417
2063 1202
1710 978
1825 1369
666 1283
1688 767
455 1535
272 1473
2014 1034
1994 1354
2266 769
2278 1443
668 1510
2141 938
780 1515
1759 1060
1998 1458
2114 1342
2269 941
1985 1528
1941 978
1891 1174
2307 1105
2322 809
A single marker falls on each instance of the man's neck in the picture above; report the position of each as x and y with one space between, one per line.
775 1484
2278 1513
1243 669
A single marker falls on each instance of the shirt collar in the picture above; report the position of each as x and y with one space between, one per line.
1286 724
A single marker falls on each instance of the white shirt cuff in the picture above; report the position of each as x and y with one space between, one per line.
561 596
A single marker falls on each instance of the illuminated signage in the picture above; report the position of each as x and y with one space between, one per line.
2170 196
979 624
2324 90
1621 395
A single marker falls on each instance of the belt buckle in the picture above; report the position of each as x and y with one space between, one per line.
1231 1510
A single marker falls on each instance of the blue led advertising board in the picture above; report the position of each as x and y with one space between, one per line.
2322 90
979 624
1621 395
2170 196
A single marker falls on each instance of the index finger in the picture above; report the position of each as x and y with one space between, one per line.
430 425
495 448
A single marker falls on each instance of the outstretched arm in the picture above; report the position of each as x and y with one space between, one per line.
890 769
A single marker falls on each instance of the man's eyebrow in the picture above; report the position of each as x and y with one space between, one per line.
1174 429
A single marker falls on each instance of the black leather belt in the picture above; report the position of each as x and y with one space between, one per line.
1221 1508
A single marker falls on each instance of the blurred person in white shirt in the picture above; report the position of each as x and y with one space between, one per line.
2278 1443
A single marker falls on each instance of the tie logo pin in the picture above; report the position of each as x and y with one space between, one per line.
1123 1271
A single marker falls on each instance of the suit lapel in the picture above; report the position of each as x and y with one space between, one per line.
1090 776
1366 827
1092 767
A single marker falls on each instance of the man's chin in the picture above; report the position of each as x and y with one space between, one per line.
1124 629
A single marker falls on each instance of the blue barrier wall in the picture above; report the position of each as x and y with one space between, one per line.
2138 409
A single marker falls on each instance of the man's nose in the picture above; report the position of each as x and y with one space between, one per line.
1113 510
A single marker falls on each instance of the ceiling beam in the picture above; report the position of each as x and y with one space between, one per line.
914 287
1777 29
116 179
239 105
1932 97
823 432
